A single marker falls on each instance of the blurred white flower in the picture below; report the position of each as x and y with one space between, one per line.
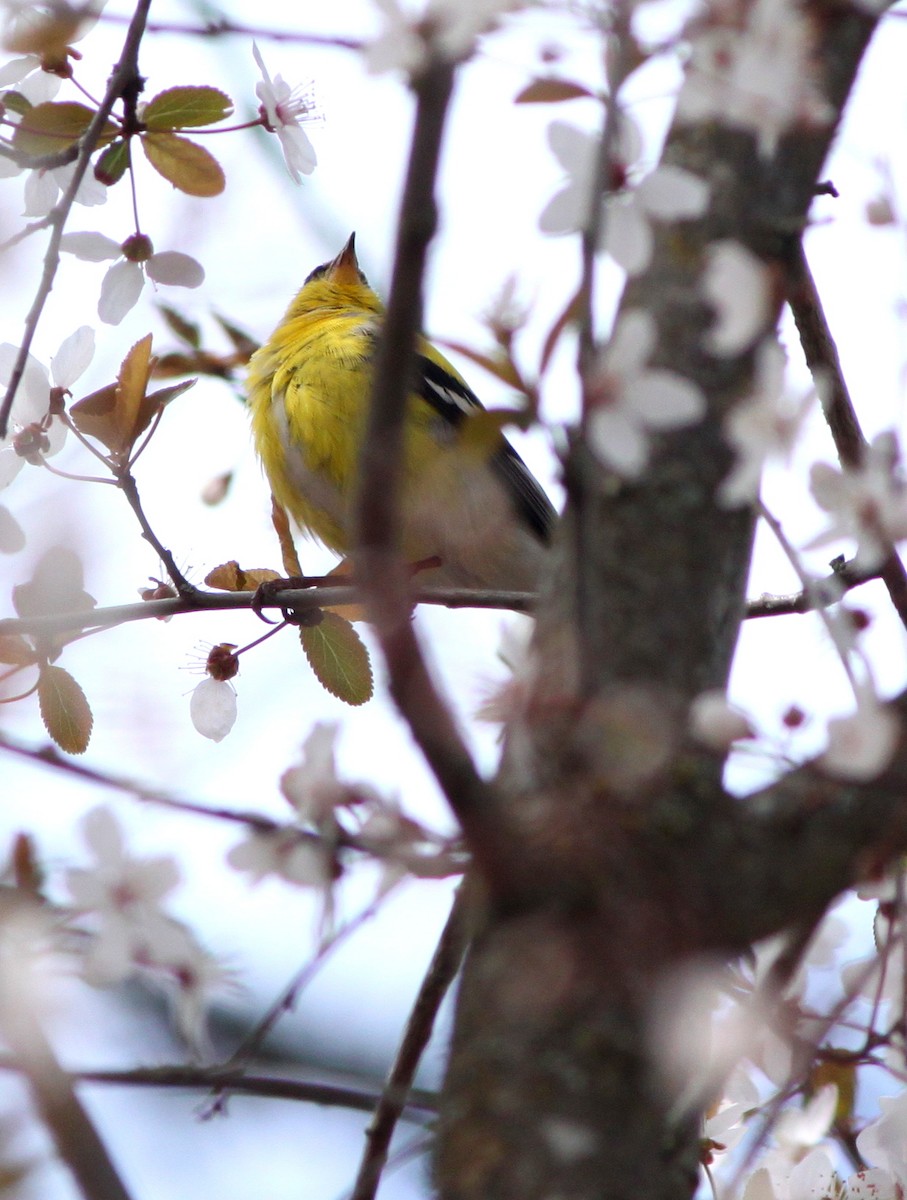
123 894
667 194
314 788
868 503
884 1141
576 150
287 853
799 1128
716 723
861 745
448 28
628 400
762 76
737 285
284 109
764 424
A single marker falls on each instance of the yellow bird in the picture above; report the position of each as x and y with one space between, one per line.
479 511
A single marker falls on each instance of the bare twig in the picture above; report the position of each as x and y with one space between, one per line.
224 28
298 599
125 75
273 1087
75 1136
820 593
287 999
378 563
821 355
440 975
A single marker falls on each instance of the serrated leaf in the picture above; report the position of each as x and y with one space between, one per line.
552 91
114 414
231 577
182 107
188 166
187 331
152 404
65 710
111 165
343 573
52 126
338 656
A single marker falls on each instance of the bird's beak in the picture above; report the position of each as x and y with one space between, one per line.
344 269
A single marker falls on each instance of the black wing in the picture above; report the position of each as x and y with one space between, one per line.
453 400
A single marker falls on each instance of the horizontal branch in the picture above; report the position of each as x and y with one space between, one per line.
414 1100
297 599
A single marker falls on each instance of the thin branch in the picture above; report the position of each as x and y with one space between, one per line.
300 600
288 998
130 490
74 1135
125 75
440 975
224 28
49 756
821 355
378 564
269 1086
820 594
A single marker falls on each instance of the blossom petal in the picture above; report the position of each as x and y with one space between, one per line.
120 290
212 708
176 269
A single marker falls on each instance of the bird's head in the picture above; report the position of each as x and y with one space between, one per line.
337 284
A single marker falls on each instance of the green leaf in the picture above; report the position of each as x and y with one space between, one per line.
65 711
50 127
181 107
189 167
552 91
338 656
111 166
16 102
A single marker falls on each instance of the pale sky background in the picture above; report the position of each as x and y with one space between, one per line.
257 243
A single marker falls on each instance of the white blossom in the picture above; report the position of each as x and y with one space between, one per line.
868 503
765 424
717 723
762 77
284 109
861 745
884 1141
667 194
212 708
447 28
799 1128
123 283
738 286
287 853
43 189
628 399
31 405
123 894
